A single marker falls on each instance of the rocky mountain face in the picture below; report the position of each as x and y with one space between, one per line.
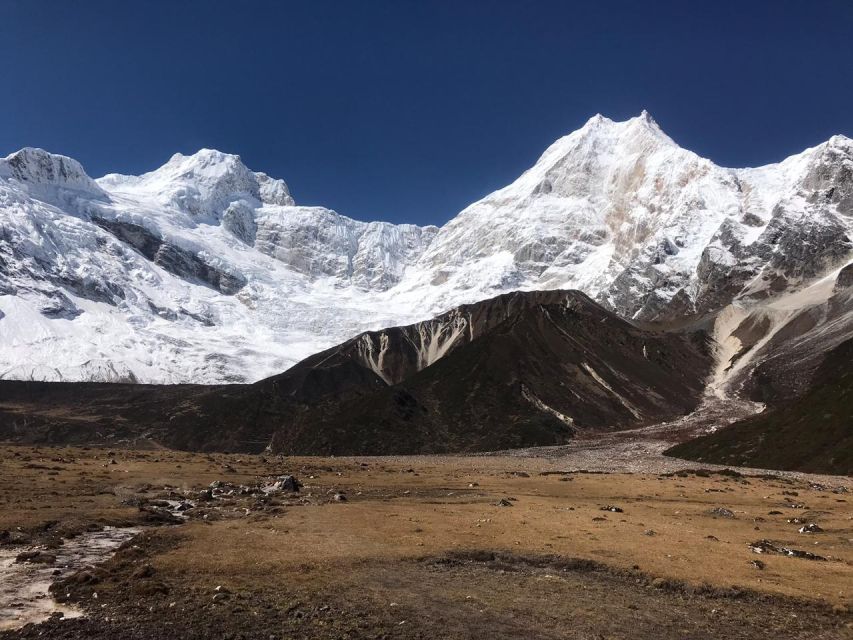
200 271
769 350
204 271
651 230
521 369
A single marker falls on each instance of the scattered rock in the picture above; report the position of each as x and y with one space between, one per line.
722 512
148 588
287 483
766 546
503 502
36 557
13 537
810 528
145 571
649 532
158 515
612 508
339 497
758 564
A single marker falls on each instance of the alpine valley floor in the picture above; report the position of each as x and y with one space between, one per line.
521 545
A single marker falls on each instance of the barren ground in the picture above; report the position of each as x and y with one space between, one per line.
423 548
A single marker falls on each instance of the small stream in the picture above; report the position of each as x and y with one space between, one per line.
24 595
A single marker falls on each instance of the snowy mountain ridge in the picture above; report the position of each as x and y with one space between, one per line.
205 271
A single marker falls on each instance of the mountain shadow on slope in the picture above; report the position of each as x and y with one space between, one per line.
548 365
522 369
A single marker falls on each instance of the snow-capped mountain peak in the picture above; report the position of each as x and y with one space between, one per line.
582 159
204 183
205 271
273 190
36 168
642 129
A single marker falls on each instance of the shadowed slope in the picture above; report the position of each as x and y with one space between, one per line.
522 369
813 433
547 371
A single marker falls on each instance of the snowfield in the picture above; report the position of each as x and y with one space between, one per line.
205 271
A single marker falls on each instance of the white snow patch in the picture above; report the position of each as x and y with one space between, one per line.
536 402
625 403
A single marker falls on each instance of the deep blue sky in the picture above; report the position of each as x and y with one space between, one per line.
409 111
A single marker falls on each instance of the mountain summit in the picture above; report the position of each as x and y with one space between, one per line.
205 183
206 271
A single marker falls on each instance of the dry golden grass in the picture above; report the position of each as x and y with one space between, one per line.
549 516
413 507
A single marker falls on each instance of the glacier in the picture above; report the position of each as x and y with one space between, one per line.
204 271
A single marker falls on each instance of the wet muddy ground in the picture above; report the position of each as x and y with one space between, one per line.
27 573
